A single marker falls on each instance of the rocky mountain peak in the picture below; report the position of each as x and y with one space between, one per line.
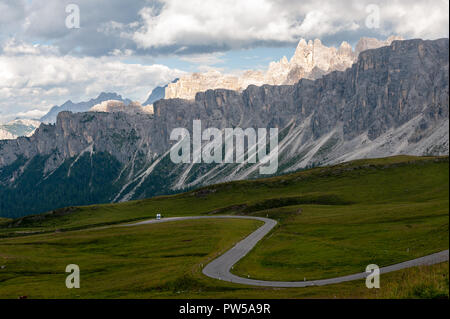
345 48
311 60
372 43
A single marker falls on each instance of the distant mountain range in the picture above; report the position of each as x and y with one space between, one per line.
393 100
311 60
5 135
18 127
50 117
26 127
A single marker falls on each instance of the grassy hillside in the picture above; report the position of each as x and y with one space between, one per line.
164 261
329 241
387 180
332 221
115 262
4 220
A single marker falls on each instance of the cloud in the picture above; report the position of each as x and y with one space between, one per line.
223 24
15 47
185 27
425 19
11 11
44 21
31 114
204 59
189 26
31 81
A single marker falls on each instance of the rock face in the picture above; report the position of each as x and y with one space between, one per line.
157 94
311 60
393 100
372 43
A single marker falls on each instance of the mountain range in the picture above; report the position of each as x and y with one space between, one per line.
18 127
311 60
26 127
392 100
50 117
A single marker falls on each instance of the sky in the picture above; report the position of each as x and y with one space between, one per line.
55 50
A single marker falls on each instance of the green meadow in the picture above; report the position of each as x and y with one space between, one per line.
332 221
115 262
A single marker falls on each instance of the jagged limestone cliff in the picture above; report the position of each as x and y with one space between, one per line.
393 100
311 60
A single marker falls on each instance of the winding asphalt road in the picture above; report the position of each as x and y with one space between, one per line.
220 267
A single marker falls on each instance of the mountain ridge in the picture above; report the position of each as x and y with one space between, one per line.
84 106
394 100
311 60
18 127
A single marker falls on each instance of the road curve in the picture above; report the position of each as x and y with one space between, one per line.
220 267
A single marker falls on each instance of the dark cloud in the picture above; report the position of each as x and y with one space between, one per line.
184 27
46 23
11 11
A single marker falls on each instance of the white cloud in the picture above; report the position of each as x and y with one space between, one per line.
195 22
31 114
11 11
235 23
121 53
14 47
37 82
204 59
425 19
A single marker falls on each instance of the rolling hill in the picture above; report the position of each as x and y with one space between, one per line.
332 220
